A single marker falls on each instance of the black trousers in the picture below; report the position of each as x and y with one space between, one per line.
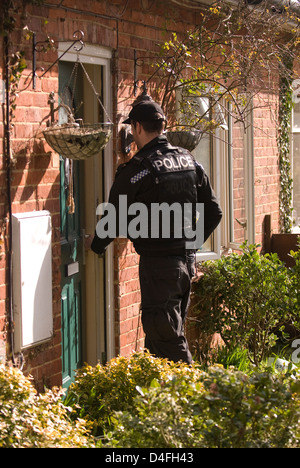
165 289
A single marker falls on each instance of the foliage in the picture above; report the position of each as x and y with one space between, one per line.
15 60
143 401
247 298
284 146
99 391
29 420
220 409
232 357
233 53
295 281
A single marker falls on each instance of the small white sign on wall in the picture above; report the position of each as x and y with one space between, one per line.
32 275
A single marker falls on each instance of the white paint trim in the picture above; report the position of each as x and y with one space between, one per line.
92 54
249 176
217 148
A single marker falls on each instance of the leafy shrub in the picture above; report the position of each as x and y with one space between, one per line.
99 391
247 298
31 420
147 402
219 409
295 283
237 358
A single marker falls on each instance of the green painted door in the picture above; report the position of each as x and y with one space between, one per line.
71 239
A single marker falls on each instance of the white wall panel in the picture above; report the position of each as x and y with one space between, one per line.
32 278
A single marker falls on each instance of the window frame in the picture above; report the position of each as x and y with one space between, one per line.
294 130
228 242
221 178
215 180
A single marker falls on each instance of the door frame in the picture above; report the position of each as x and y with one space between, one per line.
99 55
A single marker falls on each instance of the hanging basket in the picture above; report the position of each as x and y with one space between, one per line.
188 139
78 142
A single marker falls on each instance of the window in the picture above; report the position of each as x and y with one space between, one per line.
207 154
241 186
228 159
238 183
227 156
295 155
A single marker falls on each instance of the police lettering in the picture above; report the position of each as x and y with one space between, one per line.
180 185
174 163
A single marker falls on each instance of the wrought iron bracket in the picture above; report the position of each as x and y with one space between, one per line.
77 44
136 80
139 62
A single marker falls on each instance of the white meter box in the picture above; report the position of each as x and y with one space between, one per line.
32 278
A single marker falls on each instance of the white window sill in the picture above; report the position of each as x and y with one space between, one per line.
204 256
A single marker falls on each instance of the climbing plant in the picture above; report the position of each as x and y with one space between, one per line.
284 130
14 57
233 53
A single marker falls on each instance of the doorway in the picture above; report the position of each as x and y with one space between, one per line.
85 278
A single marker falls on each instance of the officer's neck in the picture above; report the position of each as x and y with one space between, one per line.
147 138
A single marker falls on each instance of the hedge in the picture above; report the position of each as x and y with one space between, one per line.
32 420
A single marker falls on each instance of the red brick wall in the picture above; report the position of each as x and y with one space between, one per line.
137 29
35 183
239 182
34 187
266 168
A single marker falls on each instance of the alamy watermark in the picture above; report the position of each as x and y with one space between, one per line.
296 353
283 364
160 220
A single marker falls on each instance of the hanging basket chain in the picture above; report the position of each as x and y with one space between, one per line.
95 91
74 74
79 142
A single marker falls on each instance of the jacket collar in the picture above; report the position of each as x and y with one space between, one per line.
160 140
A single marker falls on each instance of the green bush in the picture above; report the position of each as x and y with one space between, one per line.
295 283
143 401
220 409
30 420
146 402
99 391
248 299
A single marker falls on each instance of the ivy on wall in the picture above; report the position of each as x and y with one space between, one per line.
284 135
15 59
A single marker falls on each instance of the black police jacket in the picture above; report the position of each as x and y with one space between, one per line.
148 197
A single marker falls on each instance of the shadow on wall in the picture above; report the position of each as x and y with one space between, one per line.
33 178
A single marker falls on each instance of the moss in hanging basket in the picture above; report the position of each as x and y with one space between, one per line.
74 142
184 138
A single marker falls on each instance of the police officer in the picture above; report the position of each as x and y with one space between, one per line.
162 174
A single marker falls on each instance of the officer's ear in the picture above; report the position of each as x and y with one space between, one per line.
138 128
